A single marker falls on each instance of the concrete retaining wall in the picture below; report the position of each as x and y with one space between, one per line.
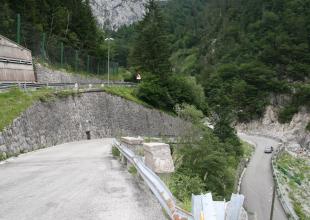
15 62
68 119
10 49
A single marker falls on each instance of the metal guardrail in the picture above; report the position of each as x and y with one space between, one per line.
16 61
28 85
285 204
159 189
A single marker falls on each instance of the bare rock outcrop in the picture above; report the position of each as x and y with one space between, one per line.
294 133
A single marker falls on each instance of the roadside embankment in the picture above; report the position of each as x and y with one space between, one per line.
49 75
82 115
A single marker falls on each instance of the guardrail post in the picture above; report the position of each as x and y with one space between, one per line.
61 54
18 29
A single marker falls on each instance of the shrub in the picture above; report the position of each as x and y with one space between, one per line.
175 90
213 161
3 156
286 114
183 89
183 185
189 113
299 211
152 91
308 127
132 170
115 151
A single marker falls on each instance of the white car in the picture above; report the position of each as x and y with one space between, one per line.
268 150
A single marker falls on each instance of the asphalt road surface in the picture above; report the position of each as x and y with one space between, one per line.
74 181
257 184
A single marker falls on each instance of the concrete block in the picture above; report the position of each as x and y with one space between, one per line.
158 157
132 140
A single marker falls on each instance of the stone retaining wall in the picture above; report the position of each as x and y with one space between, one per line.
68 119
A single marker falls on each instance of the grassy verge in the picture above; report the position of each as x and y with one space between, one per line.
132 170
126 93
15 101
247 149
115 152
294 174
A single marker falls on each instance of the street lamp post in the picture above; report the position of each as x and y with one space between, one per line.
109 39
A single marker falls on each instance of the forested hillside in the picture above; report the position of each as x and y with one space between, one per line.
241 51
70 21
223 59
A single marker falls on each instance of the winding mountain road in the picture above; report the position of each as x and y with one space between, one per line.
80 181
257 183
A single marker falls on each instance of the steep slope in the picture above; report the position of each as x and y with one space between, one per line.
117 13
113 14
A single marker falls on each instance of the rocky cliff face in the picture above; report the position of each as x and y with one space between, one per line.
294 133
115 13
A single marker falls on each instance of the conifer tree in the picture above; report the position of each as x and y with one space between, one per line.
151 48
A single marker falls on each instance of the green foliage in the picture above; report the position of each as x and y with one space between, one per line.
128 93
308 127
301 95
7 20
15 101
65 93
286 114
70 22
189 113
3 156
241 51
295 175
175 90
299 211
150 55
132 169
247 149
115 151
187 204
184 89
212 161
183 185
151 49
152 92
227 134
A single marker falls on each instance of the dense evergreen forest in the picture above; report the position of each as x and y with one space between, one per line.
243 50
69 21
240 51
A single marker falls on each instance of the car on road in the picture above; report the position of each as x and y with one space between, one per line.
268 150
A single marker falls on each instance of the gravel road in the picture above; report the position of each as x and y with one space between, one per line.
257 184
79 181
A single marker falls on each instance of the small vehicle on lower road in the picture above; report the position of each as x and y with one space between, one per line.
268 150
